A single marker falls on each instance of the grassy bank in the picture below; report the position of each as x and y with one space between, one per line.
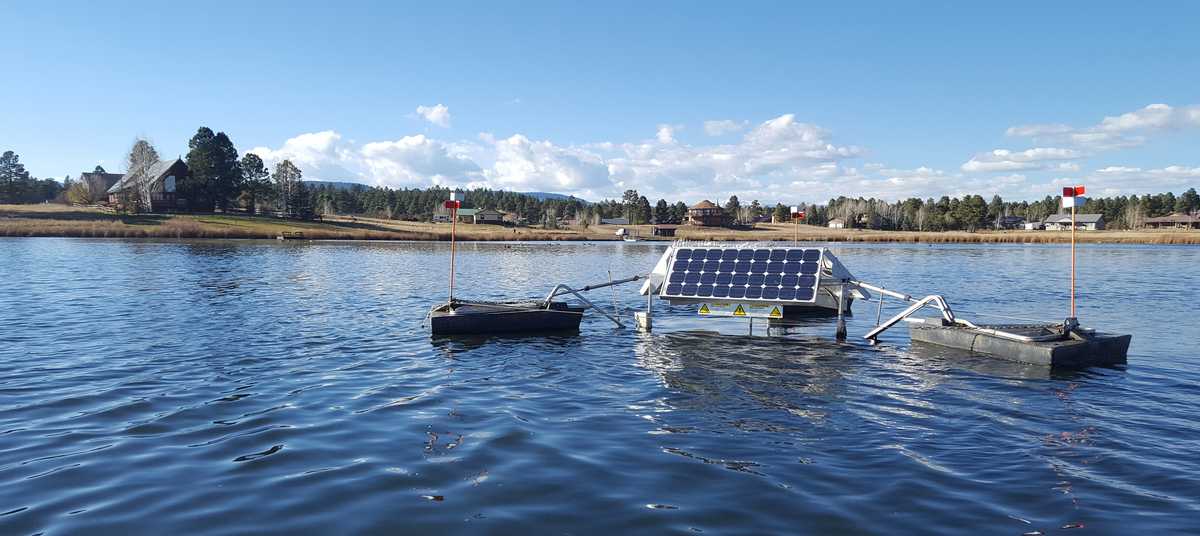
66 221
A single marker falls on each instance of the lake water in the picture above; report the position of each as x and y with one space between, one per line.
269 388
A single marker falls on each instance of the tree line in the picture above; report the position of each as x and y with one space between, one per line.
221 180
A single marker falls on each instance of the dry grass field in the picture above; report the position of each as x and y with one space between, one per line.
62 220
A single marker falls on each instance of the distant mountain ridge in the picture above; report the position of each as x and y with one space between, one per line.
541 196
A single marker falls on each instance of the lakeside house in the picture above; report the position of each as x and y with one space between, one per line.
1083 222
106 180
837 223
1174 220
480 215
1010 222
165 178
664 229
706 214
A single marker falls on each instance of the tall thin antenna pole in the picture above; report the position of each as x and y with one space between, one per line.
453 205
453 223
1072 260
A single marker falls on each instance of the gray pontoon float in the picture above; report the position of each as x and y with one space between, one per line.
1052 345
455 316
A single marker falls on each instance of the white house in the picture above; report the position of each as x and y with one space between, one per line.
1083 222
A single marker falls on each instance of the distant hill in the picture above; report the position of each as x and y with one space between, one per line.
542 196
331 184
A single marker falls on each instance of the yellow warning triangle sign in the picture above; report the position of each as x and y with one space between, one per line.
775 313
739 311
704 309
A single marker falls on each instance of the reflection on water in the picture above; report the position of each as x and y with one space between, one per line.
142 381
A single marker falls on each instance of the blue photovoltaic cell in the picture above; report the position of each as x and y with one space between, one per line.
775 274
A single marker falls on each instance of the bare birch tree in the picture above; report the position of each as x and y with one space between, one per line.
140 163
287 175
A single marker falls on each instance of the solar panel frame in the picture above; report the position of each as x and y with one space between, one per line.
766 274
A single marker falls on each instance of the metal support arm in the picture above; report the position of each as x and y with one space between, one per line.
560 290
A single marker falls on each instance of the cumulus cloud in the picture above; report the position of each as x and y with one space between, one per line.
438 115
415 160
717 128
781 147
319 155
410 161
522 164
1114 132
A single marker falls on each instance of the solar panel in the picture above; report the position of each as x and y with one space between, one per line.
765 274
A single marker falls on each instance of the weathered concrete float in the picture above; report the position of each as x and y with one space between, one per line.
1054 345
454 316
461 316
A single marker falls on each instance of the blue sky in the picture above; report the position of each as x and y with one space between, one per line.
782 102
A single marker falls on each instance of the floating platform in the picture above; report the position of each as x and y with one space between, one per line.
459 317
1054 345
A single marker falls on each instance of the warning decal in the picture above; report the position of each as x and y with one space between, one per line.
758 310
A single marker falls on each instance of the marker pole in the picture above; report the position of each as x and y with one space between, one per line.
1072 260
453 223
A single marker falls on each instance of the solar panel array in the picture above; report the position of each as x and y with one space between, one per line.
764 274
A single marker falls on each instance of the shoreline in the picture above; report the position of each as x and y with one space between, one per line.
71 222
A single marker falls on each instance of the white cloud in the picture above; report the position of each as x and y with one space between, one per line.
319 155
1114 132
415 161
438 115
774 149
1005 160
526 165
717 128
